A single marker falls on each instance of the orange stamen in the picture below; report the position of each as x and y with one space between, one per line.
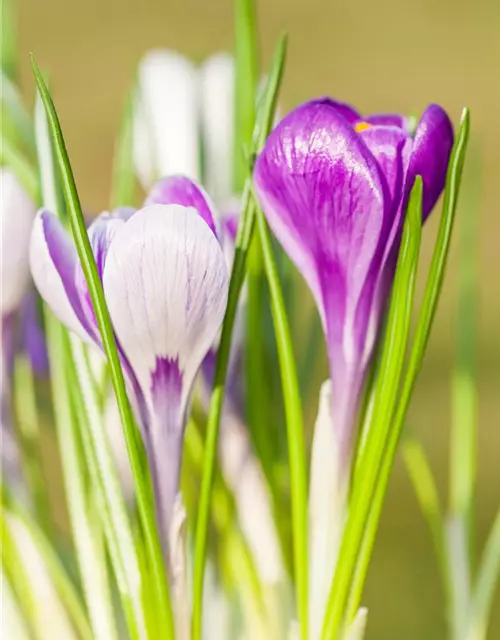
361 126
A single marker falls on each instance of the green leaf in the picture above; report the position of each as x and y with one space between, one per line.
243 240
82 516
426 493
295 427
17 126
12 158
142 487
8 50
247 74
372 454
464 409
424 325
123 191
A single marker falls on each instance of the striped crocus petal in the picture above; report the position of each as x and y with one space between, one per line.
17 212
53 263
166 283
217 78
182 190
166 117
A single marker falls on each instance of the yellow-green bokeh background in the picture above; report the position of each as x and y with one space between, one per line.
391 55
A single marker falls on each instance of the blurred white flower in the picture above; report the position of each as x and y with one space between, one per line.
17 212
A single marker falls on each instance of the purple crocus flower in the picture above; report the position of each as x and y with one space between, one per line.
165 282
334 187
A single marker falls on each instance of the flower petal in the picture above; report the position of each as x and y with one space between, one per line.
169 106
184 191
17 212
391 147
345 110
432 145
53 262
166 283
323 196
101 233
389 120
217 114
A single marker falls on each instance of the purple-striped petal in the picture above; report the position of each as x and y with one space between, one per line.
187 193
101 233
53 260
432 146
165 282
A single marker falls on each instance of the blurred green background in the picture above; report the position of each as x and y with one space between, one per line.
386 56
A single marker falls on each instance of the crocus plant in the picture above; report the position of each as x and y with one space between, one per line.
165 282
334 187
217 537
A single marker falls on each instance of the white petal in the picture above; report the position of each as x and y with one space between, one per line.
16 215
217 99
166 283
169 97
46 276
179 574
327 502
356 630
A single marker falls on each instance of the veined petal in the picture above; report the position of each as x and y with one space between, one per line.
169 105
217 78
101 233
327 510
184 191
391 148
324 199
17 212
166 283
53 260
432 145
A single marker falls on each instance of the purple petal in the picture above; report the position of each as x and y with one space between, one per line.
166 436
101 233
432 146
53 261
345 110
323 196
184 191
390 120
391 148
